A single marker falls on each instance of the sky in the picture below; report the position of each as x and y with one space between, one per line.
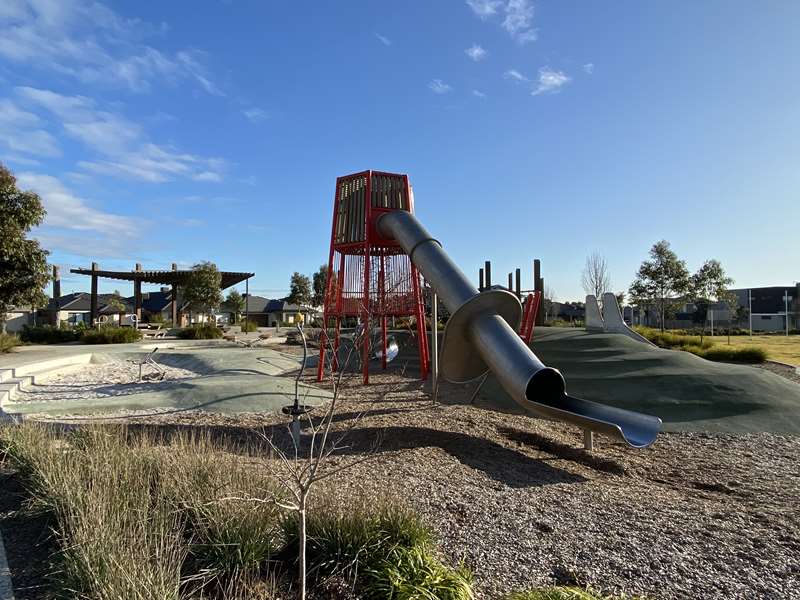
160 132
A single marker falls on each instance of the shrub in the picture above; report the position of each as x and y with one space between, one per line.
200 332
248 326
743 354
383 550
8 341
47 334
111 335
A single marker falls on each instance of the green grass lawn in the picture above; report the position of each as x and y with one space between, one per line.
778 347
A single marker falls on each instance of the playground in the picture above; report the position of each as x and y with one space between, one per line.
487 430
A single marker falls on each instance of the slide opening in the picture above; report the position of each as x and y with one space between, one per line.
546 385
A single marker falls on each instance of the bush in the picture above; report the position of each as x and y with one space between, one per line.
383 550
8 341
47 334
743 354
111 335
200 332
248 326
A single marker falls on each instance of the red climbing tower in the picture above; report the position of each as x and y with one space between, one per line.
369 277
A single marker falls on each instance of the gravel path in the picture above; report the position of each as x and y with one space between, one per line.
789 372
116 378
520 502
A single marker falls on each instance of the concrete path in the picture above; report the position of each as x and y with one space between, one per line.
6 589
232 379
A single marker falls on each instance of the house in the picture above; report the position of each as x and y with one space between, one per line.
17 317
266 312
770 307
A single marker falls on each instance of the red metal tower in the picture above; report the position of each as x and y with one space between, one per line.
369 277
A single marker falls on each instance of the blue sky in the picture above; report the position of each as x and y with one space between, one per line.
182 131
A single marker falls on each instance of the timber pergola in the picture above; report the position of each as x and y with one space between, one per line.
173 278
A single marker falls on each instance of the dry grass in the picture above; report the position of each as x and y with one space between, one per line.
778 347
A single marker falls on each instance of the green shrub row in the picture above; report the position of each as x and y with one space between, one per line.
200 332
48 334
8 341
706 349
111 335
139 518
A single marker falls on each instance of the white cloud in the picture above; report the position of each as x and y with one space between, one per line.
478 94
550 81
517 19
588 68
20 132
484 8
91 43
123 146
437 86
383 39
475 52
515 75
256 115
67 211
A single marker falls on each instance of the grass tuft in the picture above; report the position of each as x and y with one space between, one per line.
111 335
200 332
706 349
8 341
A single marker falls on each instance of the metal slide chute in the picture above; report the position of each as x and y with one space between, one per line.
481 336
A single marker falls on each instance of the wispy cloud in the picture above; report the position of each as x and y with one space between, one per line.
517 16
588 68
256 115
550 81
122 145
21 132
478 94
437 86
65 210
383 39
515 75
91 43
475 52
484 8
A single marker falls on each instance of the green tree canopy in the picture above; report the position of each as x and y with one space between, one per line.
660 280
299 289
202 291
320 278
23 262
116 303
235 302
709 284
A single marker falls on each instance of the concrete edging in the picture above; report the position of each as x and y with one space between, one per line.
6 588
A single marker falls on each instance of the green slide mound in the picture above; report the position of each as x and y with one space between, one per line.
687 392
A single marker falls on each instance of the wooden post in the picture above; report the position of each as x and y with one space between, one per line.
538 285
246 302
487 274
175 299
137 295
93 301
518 282
510 282
480 280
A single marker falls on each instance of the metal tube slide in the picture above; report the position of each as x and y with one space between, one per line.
480 336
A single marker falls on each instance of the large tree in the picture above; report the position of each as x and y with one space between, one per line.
299 289
202 291
595 278
23 262
708 285
660 280
235 302
319 279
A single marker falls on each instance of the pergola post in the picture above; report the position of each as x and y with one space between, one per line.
93 303
518 282
538 285
246 302
137 294
175 299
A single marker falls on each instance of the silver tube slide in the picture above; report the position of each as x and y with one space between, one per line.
480 336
